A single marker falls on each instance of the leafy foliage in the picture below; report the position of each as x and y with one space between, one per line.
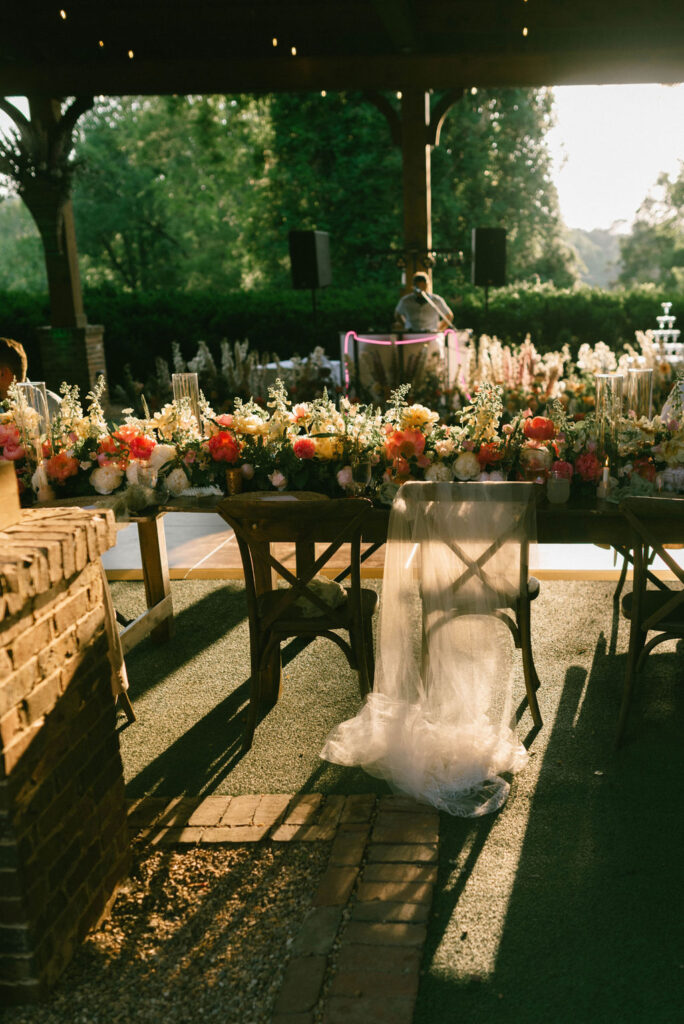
655 249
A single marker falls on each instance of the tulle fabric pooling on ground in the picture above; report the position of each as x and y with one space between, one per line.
438 724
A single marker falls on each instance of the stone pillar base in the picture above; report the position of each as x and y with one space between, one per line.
73 354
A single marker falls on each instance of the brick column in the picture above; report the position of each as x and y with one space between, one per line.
63 836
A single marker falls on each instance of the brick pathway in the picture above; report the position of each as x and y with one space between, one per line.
357 957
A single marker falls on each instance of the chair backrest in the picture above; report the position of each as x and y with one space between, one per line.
261 520
484 531
654 523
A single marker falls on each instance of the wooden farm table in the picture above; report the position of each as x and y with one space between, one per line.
574 523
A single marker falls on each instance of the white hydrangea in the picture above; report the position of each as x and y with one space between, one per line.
106 479
438 472
466 466
161 454
177 482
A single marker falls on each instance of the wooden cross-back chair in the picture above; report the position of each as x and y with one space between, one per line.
660 610
261 520
519 600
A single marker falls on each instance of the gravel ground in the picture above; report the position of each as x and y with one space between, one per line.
202 935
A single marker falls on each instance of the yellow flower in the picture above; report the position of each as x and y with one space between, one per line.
250 424
327 447
417 417
673 451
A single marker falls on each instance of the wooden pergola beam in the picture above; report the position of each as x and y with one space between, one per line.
598 67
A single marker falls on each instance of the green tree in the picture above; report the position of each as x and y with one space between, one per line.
654 251
336 169
493 169
22 263
168 191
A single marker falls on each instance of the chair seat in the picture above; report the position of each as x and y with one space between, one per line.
653 600
298 625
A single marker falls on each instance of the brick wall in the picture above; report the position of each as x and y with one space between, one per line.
63 837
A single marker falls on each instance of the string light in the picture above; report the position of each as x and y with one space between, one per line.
525 31
274 41
399 95
473 91
100 43
323 92
293 51
130 55
63 14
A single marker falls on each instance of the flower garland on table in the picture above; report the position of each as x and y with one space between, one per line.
324 446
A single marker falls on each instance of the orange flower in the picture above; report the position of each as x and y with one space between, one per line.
539 429
404 444
61 466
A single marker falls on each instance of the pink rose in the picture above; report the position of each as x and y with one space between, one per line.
13 452
562 470
588 467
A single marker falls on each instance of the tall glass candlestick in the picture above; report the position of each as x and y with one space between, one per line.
609 389
640 391
186 387
32 415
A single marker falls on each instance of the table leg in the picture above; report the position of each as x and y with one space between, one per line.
155 567
270 684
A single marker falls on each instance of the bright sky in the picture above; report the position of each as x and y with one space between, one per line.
610 144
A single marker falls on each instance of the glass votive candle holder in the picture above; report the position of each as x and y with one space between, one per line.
640 391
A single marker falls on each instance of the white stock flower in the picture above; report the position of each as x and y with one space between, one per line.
106 479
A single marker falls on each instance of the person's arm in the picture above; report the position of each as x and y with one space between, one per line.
447 315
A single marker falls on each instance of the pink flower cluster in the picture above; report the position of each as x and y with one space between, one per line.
11 449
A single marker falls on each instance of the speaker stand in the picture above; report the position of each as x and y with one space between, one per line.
486 288
314 317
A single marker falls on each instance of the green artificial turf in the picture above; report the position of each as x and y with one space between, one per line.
567 905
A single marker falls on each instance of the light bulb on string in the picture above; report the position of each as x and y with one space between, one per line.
63 14
293 51
274 41
525 30
131 55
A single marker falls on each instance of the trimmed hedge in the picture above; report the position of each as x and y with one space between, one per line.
140 327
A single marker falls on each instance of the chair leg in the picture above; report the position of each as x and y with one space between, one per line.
125 701
623 575
529 671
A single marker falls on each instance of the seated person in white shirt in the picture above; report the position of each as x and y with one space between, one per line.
422 311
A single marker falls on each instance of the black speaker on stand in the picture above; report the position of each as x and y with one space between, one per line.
489 259
310 264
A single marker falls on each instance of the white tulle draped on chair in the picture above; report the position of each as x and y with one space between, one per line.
439 722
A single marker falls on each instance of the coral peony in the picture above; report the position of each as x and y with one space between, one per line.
141 447
489 454
223 447
13 452
404 444
304 448
61 466
539 429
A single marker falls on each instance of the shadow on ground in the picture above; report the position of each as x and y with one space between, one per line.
566 906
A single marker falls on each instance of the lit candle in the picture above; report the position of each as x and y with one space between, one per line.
603 489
